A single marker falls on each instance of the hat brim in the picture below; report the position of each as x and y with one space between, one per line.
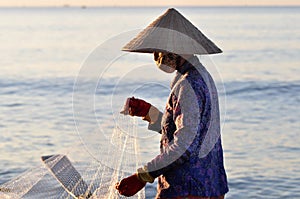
172 32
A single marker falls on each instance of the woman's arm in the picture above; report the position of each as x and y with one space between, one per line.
187 107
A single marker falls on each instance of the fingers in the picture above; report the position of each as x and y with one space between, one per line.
125 107
129 106
130 111
117 185
122 188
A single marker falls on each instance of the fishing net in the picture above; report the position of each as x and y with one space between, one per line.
59 177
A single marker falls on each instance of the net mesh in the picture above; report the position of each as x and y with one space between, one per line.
59 177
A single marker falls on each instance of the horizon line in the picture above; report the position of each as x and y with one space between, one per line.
140 6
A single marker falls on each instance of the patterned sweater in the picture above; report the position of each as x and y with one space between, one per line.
181 168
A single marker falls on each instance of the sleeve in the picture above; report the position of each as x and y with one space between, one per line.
154 117
187 108
156 126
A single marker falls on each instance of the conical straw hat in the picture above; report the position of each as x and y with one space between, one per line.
172 32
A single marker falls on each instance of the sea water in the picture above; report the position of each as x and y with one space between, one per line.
43 51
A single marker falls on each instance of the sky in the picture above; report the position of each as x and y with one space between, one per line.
147 2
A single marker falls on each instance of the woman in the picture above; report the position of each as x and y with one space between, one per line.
190 164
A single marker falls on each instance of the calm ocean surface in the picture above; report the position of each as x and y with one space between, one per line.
44 49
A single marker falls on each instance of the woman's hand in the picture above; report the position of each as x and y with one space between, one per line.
130 186
136 107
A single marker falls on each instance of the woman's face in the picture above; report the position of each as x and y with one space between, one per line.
167 62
